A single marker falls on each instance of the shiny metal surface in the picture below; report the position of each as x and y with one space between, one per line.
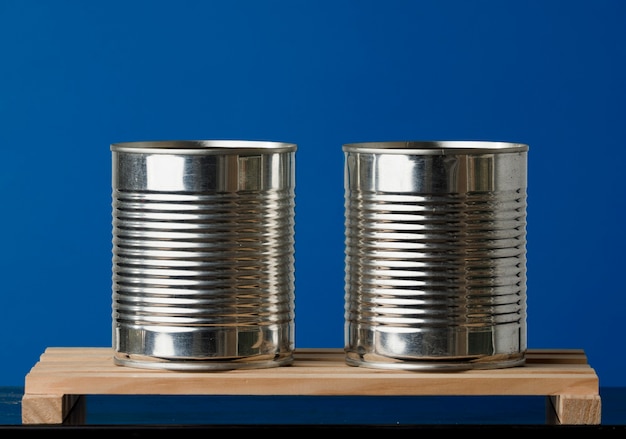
203 254
435 255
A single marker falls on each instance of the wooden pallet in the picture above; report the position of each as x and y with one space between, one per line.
55 388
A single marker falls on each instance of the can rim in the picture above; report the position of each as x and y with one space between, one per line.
444 147
203 147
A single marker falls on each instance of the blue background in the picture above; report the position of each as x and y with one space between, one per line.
76 76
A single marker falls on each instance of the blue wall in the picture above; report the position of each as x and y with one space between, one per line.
76 76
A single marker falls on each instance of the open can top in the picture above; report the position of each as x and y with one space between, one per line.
203 147
446 147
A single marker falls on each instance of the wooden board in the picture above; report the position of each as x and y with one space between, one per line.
55 384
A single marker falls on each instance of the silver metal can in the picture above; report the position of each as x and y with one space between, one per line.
203 254
435 255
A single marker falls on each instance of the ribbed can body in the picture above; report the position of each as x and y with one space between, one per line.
435 254
203 254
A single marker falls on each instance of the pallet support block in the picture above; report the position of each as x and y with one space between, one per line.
53 409
55 388
570 409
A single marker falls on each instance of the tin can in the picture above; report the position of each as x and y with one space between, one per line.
435 254
203 254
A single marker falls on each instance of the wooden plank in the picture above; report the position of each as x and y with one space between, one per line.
55 387
545 356
85 371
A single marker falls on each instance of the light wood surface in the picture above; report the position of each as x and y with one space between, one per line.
562 375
